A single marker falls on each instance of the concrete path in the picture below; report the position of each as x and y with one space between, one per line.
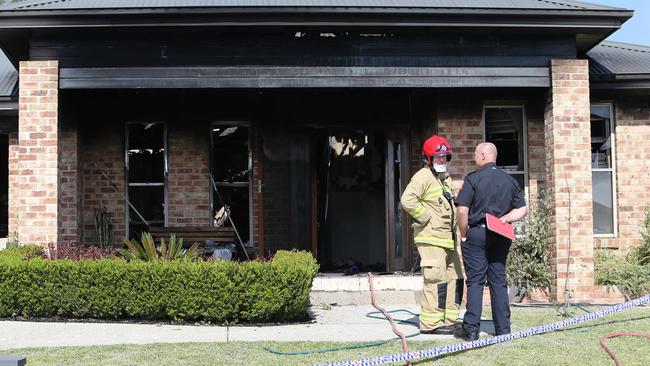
339 323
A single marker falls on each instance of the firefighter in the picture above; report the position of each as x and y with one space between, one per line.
428 199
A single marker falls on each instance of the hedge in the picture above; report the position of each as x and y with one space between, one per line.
219 292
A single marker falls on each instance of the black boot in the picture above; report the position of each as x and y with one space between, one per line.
463 334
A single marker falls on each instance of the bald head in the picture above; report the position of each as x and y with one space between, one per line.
485 153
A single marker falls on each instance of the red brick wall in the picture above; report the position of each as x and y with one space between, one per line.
188 179
632 127
101 151
460 121
568 156
36 173
69 185
258 198
13 182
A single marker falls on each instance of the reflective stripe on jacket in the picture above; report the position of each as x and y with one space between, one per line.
425 201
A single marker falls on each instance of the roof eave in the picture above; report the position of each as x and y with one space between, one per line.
307 15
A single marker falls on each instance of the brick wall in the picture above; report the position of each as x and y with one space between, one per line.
101 151
188 179
277 199
258 198
36 175
568 156
460 122
13 182
536 149
69 185
632 127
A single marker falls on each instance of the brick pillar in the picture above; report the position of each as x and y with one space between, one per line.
37 176
568 170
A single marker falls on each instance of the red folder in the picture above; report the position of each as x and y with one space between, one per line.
495 225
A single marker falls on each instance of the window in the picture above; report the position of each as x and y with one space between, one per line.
146 176
231 172
505 127
603 174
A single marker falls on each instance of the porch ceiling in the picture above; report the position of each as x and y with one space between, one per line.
303 77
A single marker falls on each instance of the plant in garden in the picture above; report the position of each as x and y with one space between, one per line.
77 252
147 250
23 252
103 226
631 273
528 266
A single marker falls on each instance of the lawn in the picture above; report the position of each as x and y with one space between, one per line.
574 346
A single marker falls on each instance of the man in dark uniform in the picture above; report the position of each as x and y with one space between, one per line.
487 190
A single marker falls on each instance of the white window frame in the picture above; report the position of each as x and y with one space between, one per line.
128 184
612 129
525 138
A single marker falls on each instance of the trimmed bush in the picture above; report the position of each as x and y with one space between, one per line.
220 292
630 273
22 252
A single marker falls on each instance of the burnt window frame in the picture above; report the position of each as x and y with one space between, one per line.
128 184
212 208
524 137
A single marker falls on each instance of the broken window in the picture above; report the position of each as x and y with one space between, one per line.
602 171
505 128
231 167
146 172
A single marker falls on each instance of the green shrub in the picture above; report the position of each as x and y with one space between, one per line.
641 254
631 274
631 277
528 266
22 252
220 292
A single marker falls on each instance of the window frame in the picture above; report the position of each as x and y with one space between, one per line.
127 184
612 129
524 127
234 123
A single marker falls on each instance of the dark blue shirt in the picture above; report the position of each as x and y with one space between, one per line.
489 190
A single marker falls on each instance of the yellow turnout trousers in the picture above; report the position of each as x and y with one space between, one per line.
443 286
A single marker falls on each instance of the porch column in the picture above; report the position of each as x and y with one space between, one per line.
568 171
36 208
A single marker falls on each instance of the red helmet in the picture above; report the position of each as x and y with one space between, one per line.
436 146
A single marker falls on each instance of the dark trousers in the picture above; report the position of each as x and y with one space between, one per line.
484 257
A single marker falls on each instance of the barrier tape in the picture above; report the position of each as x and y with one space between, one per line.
457 347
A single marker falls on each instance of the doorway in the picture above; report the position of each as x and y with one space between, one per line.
351 183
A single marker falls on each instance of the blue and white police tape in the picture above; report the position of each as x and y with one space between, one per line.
452 348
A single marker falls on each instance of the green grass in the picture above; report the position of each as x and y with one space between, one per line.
574 346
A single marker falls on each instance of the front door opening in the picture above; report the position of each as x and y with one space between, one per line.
351 201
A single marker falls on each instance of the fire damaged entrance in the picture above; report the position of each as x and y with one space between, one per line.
333 169
351 203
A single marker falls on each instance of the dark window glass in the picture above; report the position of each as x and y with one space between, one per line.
601 145
504 127
146 151
146 175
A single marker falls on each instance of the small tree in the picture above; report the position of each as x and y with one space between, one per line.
528 267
